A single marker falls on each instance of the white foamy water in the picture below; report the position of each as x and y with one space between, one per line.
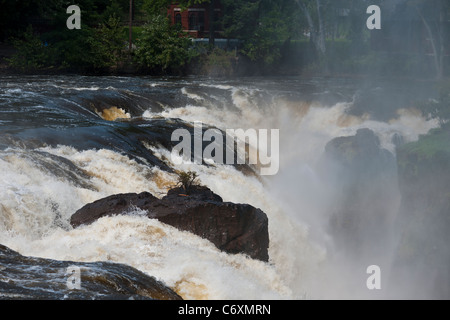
184 261
36 204
194 267
296 192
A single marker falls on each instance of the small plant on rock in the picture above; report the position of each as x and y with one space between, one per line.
187 180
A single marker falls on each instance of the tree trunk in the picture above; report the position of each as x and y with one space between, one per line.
442 43
437 60
321 35
317 34
212 22
130 26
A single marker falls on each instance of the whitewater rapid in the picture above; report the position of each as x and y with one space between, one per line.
36 200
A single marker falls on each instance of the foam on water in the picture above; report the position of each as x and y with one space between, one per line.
36 204
296 199
193 266
187 263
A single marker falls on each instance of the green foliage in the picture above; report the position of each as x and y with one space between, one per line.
218 62
32 53
430 153
263 26
116 9
136 33
88 49
436 141
80 50
333 34
157 7
110 42
439 108
187 180
264 46
162 47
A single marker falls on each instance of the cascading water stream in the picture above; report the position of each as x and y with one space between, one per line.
58 154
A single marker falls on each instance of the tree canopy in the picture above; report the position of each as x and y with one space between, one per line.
329 35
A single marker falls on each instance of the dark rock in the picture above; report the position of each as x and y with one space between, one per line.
363 179
358 151
195 192
110 206
233 228
29 278
398 140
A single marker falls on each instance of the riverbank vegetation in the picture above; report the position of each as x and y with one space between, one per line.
281 37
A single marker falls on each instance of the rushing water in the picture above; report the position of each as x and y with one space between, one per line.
66 141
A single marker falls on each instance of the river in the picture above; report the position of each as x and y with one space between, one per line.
66 141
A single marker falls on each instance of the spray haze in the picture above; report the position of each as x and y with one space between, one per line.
327 117
332 206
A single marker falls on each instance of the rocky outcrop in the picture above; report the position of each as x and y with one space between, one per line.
362 179
233 228
422 261
30 278
362 154
111 206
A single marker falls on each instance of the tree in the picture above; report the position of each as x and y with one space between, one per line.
187 180
162 47
156 7
440 108
323 18
434 14
312 10
32 54
110 42
269 34
263 26
212 23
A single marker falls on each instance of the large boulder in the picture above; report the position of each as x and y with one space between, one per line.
111 206
361 154
363 182
30 278
233 228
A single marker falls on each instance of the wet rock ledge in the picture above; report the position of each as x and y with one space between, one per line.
29 278
233 228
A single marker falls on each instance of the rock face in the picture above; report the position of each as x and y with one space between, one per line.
422 261
363 181
28 278
111 206
233 228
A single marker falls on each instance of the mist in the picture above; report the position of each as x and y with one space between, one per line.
358 196
338 185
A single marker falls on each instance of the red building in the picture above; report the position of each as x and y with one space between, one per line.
196 20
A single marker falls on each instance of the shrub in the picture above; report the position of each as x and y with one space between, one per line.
32 53
111 45
162 47
439 108
218 63
187 179
80 50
